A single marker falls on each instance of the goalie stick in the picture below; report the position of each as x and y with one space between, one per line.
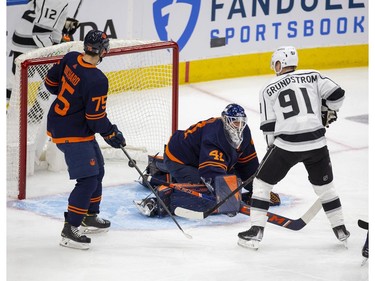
180 187
292 224
133 164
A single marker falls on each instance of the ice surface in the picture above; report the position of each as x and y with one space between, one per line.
139 248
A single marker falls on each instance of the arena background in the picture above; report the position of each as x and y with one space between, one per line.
221 39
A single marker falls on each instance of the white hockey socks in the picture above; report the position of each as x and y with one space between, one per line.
331 203
260 202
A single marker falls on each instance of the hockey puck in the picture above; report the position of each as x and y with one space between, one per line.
132 163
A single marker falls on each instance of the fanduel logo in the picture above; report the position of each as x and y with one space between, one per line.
161 20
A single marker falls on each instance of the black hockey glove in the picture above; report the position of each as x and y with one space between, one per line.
328 116
70 27
114 138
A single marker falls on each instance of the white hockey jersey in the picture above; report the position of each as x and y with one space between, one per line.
290 107
40 26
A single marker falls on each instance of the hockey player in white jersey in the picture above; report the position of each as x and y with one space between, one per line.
295 108
44 23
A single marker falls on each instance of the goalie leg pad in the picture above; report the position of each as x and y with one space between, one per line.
224 185
189 201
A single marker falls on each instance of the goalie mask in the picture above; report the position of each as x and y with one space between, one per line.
287 56
96 42
234 119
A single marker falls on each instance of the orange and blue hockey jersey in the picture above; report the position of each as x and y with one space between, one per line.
204 145
79 110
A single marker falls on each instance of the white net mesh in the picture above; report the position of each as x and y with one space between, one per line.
141 87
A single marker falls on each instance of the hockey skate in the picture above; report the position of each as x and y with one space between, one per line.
251 238
91 223
342 234
147 207
72 238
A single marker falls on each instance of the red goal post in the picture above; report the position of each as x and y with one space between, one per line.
142 102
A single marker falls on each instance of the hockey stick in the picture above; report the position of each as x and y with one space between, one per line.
292 224
288 223
179 187
133 164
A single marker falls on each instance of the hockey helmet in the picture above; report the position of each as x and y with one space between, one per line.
234 119
286 55
95 42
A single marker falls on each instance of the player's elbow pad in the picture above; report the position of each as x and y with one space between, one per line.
335 100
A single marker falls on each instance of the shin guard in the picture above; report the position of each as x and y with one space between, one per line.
331 203
260 202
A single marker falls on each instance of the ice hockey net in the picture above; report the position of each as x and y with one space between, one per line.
142 102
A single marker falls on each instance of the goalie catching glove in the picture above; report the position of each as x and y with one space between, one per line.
114 138
328 116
